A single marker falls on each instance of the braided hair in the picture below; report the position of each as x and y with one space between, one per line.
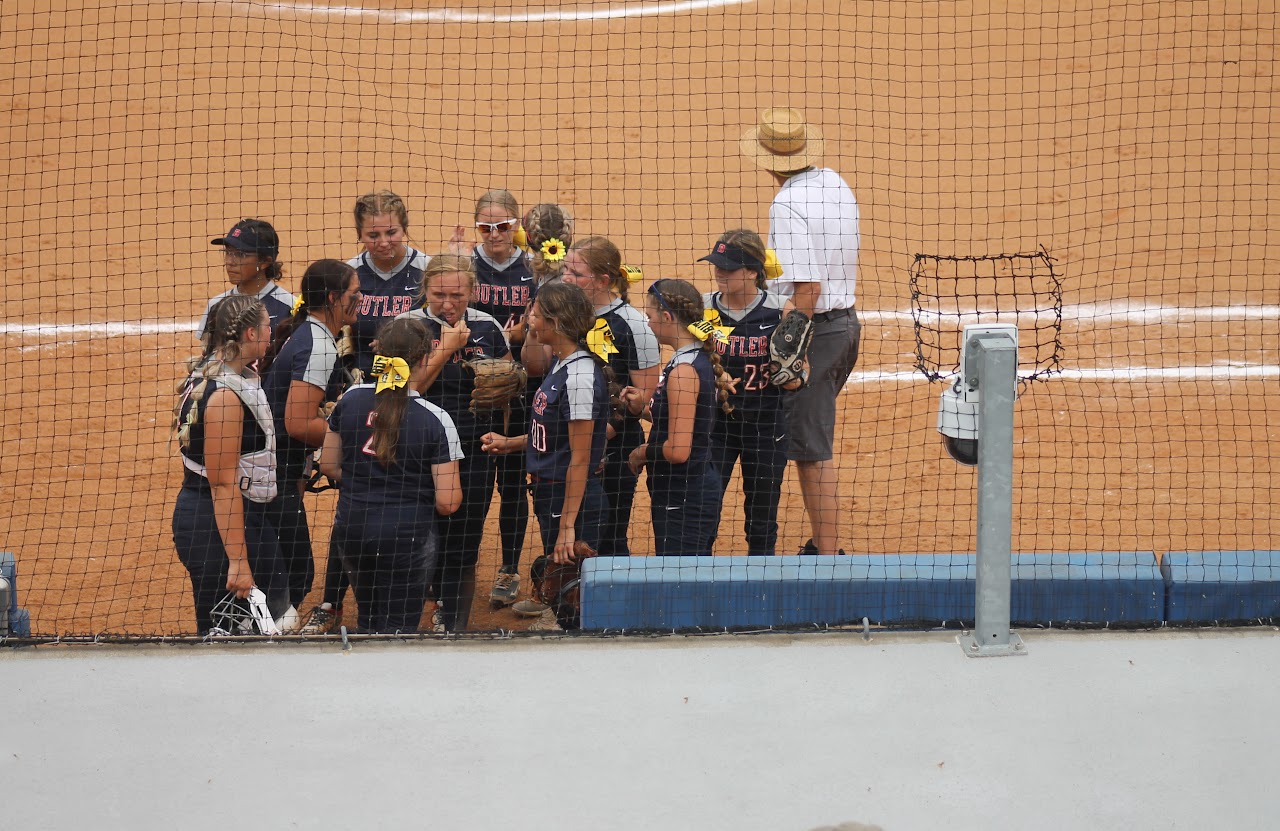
381 203
684 303
604 258
406 338
322 283
544 222
224 330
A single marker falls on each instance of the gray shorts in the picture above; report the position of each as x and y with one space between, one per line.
811 412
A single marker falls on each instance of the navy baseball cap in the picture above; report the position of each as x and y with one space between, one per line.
254 236
730 257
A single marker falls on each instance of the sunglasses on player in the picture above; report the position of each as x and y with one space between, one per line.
504 226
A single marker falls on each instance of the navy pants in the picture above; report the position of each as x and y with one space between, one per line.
760 443
619 485
548 501
460 536
390 555
685 502
199 544
513 496
289 516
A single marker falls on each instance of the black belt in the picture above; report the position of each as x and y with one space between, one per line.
834 314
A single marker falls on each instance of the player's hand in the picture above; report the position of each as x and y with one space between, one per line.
494 443
458 242
453 338
239 577
633 399
636 460
732 385
326 409
563 552
515 331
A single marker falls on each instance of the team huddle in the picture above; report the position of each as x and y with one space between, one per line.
418 385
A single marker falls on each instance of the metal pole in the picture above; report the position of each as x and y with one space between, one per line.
995 364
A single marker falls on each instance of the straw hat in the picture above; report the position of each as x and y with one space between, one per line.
782 141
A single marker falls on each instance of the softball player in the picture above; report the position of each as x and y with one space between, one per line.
396 456
621 336
460 333
251 259
684 486
566 439
390 270
300 376
755 432
221 530
503 288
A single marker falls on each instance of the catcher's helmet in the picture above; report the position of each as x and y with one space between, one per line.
250 616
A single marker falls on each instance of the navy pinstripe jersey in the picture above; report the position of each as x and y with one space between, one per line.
427 437
746 354
309 355
705 414
574 390
452 388
278 302
637 349
387 295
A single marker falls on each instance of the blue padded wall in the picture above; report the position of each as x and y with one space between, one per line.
1095 587
715 592
1207 586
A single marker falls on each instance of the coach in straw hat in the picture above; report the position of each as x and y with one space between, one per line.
813 228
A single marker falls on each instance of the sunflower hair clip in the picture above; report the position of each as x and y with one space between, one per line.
552 250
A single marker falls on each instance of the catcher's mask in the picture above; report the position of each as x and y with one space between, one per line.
232 616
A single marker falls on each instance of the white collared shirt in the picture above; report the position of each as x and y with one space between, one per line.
813 228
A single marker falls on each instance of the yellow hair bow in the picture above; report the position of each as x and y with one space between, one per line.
521 239
600 340
297 304
632 274
722 332
772 268
393 373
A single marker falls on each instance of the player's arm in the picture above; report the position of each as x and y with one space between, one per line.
536 356
223 432
575 485
452 338
448 486
331 456
302 419
805 298
645 381
501 445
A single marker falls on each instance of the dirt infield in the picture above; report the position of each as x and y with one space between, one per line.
1135 142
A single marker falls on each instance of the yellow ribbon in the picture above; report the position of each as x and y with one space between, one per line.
600 340
722 332
297 304
632 274
521 239
393 373
772 268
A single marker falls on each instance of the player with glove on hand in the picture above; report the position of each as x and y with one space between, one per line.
461 335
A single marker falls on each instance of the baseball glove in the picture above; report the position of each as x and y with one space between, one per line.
560 586
347 359
788 348
497 383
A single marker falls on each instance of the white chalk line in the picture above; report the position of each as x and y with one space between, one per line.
449 15
52 335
